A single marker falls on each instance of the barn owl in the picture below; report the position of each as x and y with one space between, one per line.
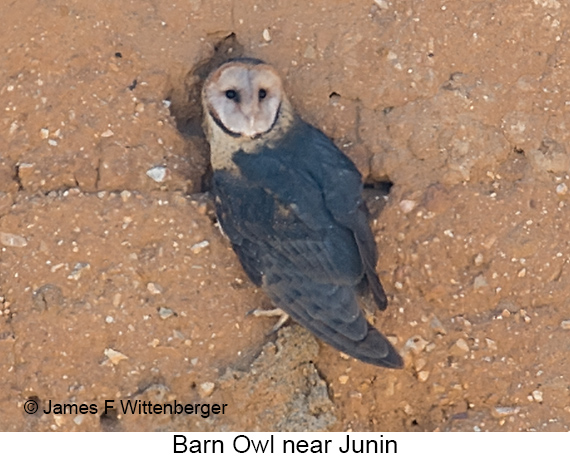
291 204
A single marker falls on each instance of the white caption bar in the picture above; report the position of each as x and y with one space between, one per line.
280 444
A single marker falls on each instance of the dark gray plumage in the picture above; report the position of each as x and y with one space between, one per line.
290 203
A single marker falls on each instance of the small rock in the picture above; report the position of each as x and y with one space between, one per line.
449 233
478 260
382 4
310 52
562 189
407 206
153 288
437 326
537 395
199 247
78 420
393 339
47 296
157 174
125 195
266 35
13 241
565 325
522 273
44 134
107 133
343 379
113 356
423 376
415 344
480 282
165 313
504 411
491 344
420 364
460 347
78 270
206 389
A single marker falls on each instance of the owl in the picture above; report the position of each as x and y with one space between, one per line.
291 204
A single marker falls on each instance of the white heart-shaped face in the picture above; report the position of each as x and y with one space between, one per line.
244 97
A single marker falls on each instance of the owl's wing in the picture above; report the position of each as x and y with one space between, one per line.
347 207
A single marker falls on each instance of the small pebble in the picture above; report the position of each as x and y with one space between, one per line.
113 356
392 339
565 325
44 134
437 326
199 247
310 52
382 4
107 133
157 174
503 411
537 395
480 282
491 344
407 206
415 344
408 409
562 189
460 346
423 376
206 389
522 273
478 260
419 364
165 313
153 288
266 35
78 270
125 195
13 241
343 379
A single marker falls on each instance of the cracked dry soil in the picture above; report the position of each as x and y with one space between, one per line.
116 284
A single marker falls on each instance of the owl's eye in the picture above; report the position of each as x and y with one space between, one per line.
231 94
262 94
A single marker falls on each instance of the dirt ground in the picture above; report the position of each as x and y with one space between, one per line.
116 284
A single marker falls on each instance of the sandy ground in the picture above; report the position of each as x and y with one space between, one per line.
115 283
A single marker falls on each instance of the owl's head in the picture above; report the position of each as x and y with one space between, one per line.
244 97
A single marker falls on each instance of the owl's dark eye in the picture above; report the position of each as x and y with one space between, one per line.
231 94
262 94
